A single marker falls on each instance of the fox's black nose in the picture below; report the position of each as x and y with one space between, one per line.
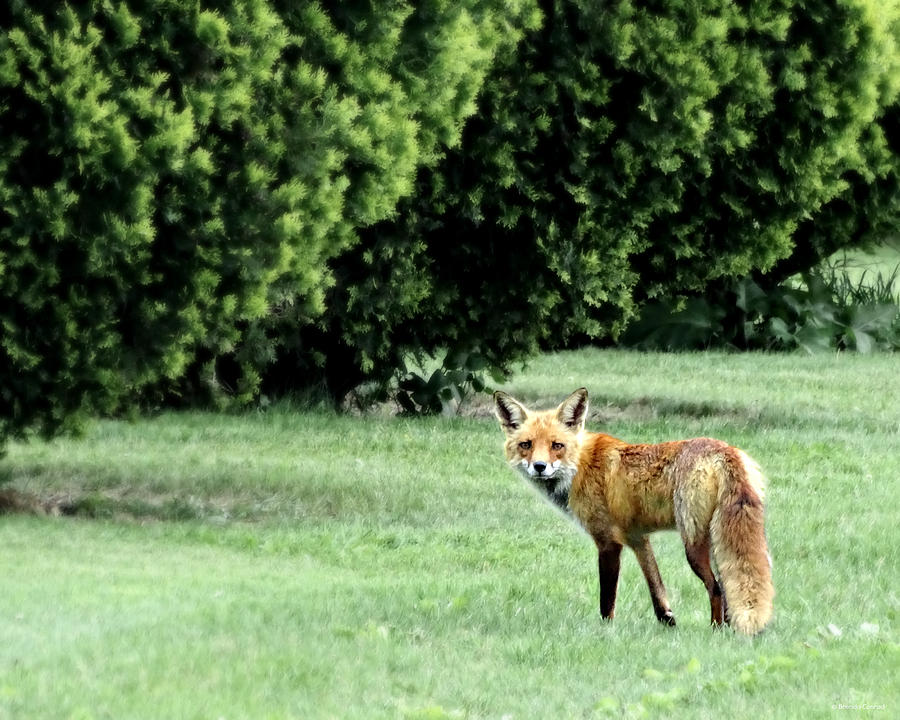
539 467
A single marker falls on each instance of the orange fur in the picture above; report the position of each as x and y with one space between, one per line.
710 492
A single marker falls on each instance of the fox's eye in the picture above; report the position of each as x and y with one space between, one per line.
525 445
556 446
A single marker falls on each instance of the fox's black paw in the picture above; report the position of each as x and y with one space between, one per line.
667 619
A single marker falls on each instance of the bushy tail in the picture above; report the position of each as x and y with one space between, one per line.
739 544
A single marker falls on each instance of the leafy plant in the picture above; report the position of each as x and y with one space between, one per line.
448 387
824 311
419 388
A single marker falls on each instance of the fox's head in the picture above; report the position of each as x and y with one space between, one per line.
544 446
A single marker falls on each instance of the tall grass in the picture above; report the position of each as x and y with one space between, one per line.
866 277
862 280
328 566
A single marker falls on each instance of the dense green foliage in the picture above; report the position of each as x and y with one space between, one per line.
256 194
172 174
624 154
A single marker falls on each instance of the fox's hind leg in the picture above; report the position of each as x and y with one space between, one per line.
644 552
698 558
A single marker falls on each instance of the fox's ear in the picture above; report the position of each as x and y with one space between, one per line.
573 411
509 411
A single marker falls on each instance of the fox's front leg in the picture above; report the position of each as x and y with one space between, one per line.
609 577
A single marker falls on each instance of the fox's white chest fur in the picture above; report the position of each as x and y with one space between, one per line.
553 488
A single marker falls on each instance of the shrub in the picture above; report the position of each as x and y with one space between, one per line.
175 176
622 155
138 183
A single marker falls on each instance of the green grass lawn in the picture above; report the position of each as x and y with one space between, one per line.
301 564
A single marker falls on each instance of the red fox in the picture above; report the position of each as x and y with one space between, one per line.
711 492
